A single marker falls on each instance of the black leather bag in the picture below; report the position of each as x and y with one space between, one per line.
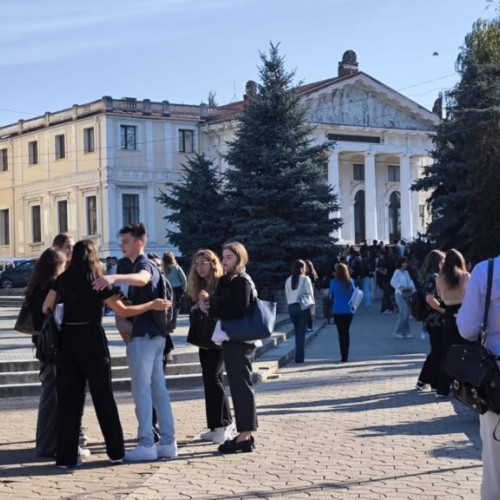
201 329
24 321
47 346
474 369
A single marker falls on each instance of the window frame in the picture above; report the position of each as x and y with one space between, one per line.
60 146
36 223
135 207
33 153
4 227
91 215
394 169
360 168
183 133
89 140
63 228
4 160
123 136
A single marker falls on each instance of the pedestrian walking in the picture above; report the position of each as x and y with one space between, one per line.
206 270
84 354
451 285
313 276
231 299
177 279
469 320
403 288
341 289
145 349
433 321
49 266
297 287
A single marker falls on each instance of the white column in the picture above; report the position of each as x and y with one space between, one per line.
406 205
150 212
334 181
414 195
371 228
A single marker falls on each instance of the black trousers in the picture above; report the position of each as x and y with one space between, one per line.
343 323
238 358
46 423
432 364
85 357
216 401
387 304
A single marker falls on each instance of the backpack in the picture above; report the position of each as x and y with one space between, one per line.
418 304
164 319
47 343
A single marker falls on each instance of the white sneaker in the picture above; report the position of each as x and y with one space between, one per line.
118 461
399 336
222 434
83 452
142 454
166 450
207 436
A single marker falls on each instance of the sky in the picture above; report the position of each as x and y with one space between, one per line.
56 53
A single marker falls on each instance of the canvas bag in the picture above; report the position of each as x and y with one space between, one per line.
355 300
306 300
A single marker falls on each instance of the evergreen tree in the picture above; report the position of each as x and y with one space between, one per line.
278 202
194 207
465 176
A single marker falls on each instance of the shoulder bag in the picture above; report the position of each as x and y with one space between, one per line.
355 300
306 300
201 328
474 369
24 321
47 347
258 321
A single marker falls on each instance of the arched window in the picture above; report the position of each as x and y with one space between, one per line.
394 217
359 217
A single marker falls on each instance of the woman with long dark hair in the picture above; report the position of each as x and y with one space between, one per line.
206 271
451 285
341 288
231 299
297 285
84 354
429 375
48 267
313 276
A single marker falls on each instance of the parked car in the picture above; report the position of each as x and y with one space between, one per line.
10 262
18 276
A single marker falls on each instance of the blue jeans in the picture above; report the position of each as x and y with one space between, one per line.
367 290
403 323
144 356
299 319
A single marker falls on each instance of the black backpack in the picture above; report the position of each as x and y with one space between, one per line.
47 343
164 320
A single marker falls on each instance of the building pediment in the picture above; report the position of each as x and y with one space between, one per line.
362 101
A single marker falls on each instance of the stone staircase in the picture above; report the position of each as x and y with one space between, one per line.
183 372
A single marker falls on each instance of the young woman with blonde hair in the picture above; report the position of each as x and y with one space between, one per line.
206 270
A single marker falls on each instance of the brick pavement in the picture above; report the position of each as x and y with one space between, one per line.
327 430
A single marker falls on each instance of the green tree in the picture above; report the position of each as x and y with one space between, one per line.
194 207
212 99
465 178
278 202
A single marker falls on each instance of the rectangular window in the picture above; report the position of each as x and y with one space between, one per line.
33 152
4 227
393 173
36 224
60 147
88 140
62 215
186 141
128 137
91 215
358 172
4 160
130 208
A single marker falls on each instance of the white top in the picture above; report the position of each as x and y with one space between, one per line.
305 286
470 315
400 280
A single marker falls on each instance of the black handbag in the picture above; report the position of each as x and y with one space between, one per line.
474 369
258 321
24 321
201 329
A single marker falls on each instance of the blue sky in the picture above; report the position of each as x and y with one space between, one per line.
56 53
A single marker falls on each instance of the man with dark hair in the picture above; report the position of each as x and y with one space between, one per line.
145 350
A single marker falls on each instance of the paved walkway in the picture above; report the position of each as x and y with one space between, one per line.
327 430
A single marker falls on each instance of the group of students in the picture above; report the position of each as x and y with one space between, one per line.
72 275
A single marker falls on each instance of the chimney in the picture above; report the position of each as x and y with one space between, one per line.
349 63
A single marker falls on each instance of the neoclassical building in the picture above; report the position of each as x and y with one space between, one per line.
382 142
94 167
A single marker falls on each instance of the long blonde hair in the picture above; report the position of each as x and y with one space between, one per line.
195 283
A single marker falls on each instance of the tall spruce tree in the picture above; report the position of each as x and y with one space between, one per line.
465 178
194 207
278 202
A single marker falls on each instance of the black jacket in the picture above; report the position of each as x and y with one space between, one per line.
231 298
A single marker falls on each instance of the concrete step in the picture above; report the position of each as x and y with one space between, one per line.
20 378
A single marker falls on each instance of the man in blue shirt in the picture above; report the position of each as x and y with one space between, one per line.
145 350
